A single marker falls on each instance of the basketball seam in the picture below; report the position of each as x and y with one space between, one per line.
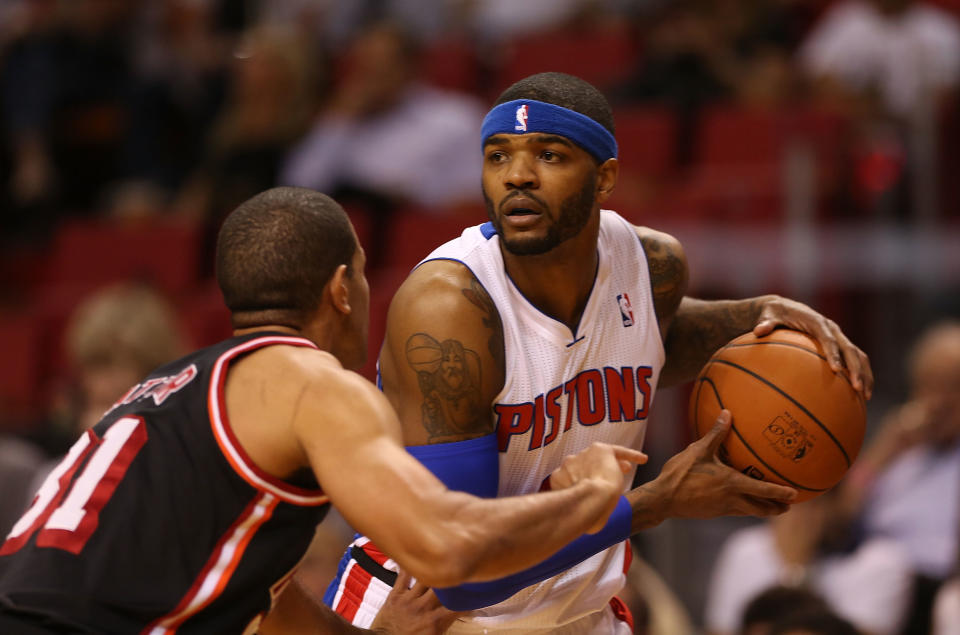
750 447
826 431
791 345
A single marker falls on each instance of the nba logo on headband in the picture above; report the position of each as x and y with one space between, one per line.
521 118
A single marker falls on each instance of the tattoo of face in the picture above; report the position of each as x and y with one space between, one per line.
479 297
449 378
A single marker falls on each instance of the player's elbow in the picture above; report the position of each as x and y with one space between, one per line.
447 559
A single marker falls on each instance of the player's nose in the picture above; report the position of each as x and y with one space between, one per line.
521 174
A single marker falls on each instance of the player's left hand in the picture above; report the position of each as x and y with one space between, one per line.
841 353
412 610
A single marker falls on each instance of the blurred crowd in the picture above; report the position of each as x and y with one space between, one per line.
130 128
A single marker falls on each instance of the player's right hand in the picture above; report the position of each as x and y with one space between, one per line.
603 465
696 484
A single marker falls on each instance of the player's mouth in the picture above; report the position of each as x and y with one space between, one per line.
521 212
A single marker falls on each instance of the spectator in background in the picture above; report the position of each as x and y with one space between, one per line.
890 64
869 586
114 337
900 52
62 85
946 608
698 53
777 603
272 96
813 623
180 53
385 139
906 484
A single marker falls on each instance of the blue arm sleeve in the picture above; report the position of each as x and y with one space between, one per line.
473 466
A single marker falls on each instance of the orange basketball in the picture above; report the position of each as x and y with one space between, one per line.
795 421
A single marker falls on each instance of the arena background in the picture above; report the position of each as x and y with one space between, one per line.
130 128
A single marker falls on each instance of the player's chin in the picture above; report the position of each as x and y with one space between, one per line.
526 244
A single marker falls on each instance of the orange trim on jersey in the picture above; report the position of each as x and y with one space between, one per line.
220 566
230 447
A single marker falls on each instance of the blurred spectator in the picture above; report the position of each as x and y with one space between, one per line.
813 623
179 56
777 603
869 586
946 609
273 81
63 85
901 51
386 139
907 481
698 52
114 338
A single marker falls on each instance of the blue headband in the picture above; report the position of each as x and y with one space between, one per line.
527 115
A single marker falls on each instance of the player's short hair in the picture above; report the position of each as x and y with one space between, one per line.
565 91
277 250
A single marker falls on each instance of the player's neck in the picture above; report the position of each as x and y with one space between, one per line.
558 283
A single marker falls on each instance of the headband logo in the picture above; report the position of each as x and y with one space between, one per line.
521 118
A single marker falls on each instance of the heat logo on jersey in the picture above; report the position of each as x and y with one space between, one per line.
626 309
593 396
521 118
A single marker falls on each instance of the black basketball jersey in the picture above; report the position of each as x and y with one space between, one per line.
157 521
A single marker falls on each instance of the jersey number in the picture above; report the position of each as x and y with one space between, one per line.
69 513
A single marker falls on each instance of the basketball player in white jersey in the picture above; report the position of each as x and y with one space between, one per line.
548 328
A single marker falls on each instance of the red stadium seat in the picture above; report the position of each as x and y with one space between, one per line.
21 340
415 233
742 159
452 63
646 137
91 254
601 55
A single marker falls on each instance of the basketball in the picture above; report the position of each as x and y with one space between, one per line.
423 353
795 421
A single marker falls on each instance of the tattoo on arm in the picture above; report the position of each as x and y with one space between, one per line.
479 297
448 375
668 277
700 328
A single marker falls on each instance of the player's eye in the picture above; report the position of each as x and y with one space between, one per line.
550 156
496 156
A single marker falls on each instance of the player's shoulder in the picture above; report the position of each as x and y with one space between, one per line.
297 370
656 242
435 288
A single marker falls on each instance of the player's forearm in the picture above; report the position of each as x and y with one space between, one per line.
699 328
493 538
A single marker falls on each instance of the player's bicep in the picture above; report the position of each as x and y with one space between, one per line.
669 273
442 360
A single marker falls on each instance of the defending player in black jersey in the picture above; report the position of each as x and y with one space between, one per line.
188 506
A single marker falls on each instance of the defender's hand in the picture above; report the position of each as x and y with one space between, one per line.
412 610
696 484
602 464
840 352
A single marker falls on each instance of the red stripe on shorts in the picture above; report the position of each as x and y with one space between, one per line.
621 612
354 588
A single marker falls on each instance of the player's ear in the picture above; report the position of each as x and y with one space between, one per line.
339 290
607 174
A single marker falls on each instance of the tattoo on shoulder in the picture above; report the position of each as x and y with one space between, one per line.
479 297
449 378
667 274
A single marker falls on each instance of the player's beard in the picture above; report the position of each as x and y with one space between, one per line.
573 216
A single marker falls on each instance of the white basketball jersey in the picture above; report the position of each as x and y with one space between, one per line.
564 390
